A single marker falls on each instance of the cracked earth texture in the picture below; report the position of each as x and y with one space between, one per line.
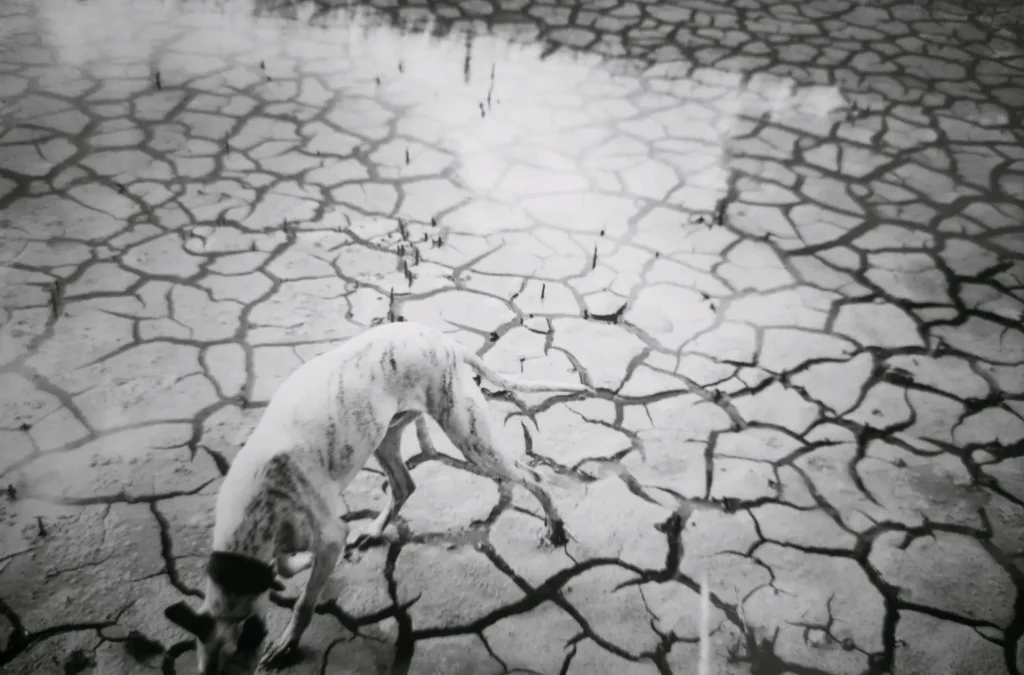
783 240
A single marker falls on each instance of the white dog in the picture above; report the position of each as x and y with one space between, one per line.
279 508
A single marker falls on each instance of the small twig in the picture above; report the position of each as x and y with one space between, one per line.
490 89
720 212
55 294
705 627
739 610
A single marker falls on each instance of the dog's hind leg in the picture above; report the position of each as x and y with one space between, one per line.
468 424
400 482
423 437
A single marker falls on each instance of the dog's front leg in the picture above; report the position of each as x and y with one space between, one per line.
324 560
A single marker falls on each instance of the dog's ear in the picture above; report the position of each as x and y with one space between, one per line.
180 614
253 632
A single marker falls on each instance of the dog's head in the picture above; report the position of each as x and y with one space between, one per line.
223 646
229 628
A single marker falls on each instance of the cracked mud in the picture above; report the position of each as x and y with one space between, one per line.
783 240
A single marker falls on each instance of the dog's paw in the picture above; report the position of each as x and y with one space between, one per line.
555 536
281 654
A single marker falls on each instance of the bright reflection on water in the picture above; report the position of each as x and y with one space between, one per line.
486 102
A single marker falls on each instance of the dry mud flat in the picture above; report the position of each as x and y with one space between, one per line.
784 241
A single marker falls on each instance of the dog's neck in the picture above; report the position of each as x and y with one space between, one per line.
249 513
240 569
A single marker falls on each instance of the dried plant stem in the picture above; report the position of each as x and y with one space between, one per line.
739 610
705 632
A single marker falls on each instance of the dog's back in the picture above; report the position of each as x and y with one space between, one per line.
336 404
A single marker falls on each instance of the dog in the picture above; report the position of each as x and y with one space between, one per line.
279 509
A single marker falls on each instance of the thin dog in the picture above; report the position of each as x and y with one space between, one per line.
279 508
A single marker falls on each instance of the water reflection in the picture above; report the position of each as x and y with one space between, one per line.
339 97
